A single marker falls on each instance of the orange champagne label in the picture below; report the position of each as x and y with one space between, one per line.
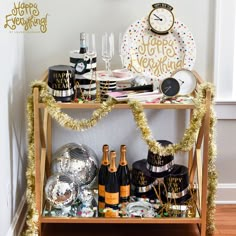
125 191
111 198
112 213
101 190
101 205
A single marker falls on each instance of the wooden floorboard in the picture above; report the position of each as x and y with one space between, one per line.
225 220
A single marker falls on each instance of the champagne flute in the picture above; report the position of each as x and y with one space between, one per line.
108 51
91 50
91 53
121 53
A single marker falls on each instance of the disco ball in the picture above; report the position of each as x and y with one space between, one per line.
86 196
60 164
78 161
61 191
64 151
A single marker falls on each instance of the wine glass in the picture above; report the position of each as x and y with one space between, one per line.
91 50
108 50
90 54
121 53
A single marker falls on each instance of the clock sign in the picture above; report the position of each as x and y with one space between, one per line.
187 81
161 18
170 87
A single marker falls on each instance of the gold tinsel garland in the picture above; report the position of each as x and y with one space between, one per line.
32 214
185 144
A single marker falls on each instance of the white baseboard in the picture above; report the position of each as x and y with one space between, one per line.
226 194
19 219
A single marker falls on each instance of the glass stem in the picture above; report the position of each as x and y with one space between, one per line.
122 60
91 69
108 67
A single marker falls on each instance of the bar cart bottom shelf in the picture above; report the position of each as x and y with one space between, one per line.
121 229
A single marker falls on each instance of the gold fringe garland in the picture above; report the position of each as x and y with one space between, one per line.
32 213
66 121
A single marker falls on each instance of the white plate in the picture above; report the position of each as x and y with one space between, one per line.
158 55
101 76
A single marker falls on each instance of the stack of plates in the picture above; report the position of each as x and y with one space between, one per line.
105 87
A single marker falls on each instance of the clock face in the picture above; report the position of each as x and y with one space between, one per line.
187 81
170 87
161 20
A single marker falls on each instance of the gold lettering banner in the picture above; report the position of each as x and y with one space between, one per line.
27 16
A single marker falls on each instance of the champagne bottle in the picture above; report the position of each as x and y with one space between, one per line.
102 176
84 88
112 185
83 48
123 174
81 64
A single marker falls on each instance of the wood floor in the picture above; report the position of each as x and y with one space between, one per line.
225 219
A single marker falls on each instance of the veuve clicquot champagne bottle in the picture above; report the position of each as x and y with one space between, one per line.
112 184
102 176
123 174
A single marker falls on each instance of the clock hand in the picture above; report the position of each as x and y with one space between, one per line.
158 18
167 89
182 82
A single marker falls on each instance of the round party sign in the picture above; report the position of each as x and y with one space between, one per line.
158 55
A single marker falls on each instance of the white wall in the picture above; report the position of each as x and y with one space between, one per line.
12 123
226 152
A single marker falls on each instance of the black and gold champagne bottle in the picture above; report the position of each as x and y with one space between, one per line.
112 184
102 176
123 174
84 88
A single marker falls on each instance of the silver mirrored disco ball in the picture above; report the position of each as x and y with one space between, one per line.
64 151
78 161
61 191
86 196
61 164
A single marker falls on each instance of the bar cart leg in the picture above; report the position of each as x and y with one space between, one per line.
40 229
205 165
37 154
190 156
